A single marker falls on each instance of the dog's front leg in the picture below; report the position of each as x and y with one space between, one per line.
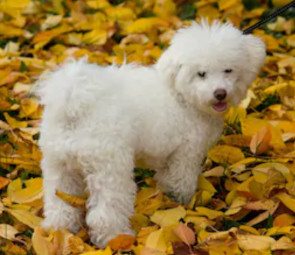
112 191
179 178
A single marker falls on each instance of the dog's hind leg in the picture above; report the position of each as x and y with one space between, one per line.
112 190
57 177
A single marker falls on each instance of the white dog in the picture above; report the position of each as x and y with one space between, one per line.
98 120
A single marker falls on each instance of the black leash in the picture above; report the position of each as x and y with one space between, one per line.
270 17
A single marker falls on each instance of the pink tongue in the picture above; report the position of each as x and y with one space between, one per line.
220 107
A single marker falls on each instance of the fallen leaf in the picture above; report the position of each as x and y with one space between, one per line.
122 242
71 199
260 142
225 154
156 241
168 217
254 242
185 234
7 231
25 217
283 220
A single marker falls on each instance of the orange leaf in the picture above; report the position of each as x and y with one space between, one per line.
260 141
284 220
70 199
3 182
185 234
122 242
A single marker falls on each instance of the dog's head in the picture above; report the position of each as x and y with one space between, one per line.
211 66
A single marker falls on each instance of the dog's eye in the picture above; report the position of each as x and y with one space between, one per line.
202 74
228 70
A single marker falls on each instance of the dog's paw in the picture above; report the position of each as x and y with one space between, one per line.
182 199
59 223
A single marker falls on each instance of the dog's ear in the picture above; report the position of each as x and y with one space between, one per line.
257 53
167 66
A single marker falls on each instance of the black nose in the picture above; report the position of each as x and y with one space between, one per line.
220 94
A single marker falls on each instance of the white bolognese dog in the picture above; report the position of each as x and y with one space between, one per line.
98 120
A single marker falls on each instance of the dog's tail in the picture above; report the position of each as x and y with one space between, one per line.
67 90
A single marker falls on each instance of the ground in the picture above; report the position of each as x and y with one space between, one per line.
246 197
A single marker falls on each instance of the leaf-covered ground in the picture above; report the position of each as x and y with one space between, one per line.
246 197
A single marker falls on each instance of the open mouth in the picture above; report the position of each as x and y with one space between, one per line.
220 106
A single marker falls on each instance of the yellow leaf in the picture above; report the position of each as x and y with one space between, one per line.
156 241
203 198
98 4
254 242
106 251
205 185
265 167
144 233
225 154
14 8
144 25
148 200
199 222
251 125
209 213
120 13
236 205
283 220
7 231
12 249
164 8
280 230
25 217
280 2
139 221
96 37
41 243
287 200
42 38
275 88
51 21
245 161
185 234
227 4
234 115
71 199
209 12
260 141
13 122
14 186
168 217
271 42
249 229
284 243
291 40
32 192
257 189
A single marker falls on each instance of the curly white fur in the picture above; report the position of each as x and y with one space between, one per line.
98 120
